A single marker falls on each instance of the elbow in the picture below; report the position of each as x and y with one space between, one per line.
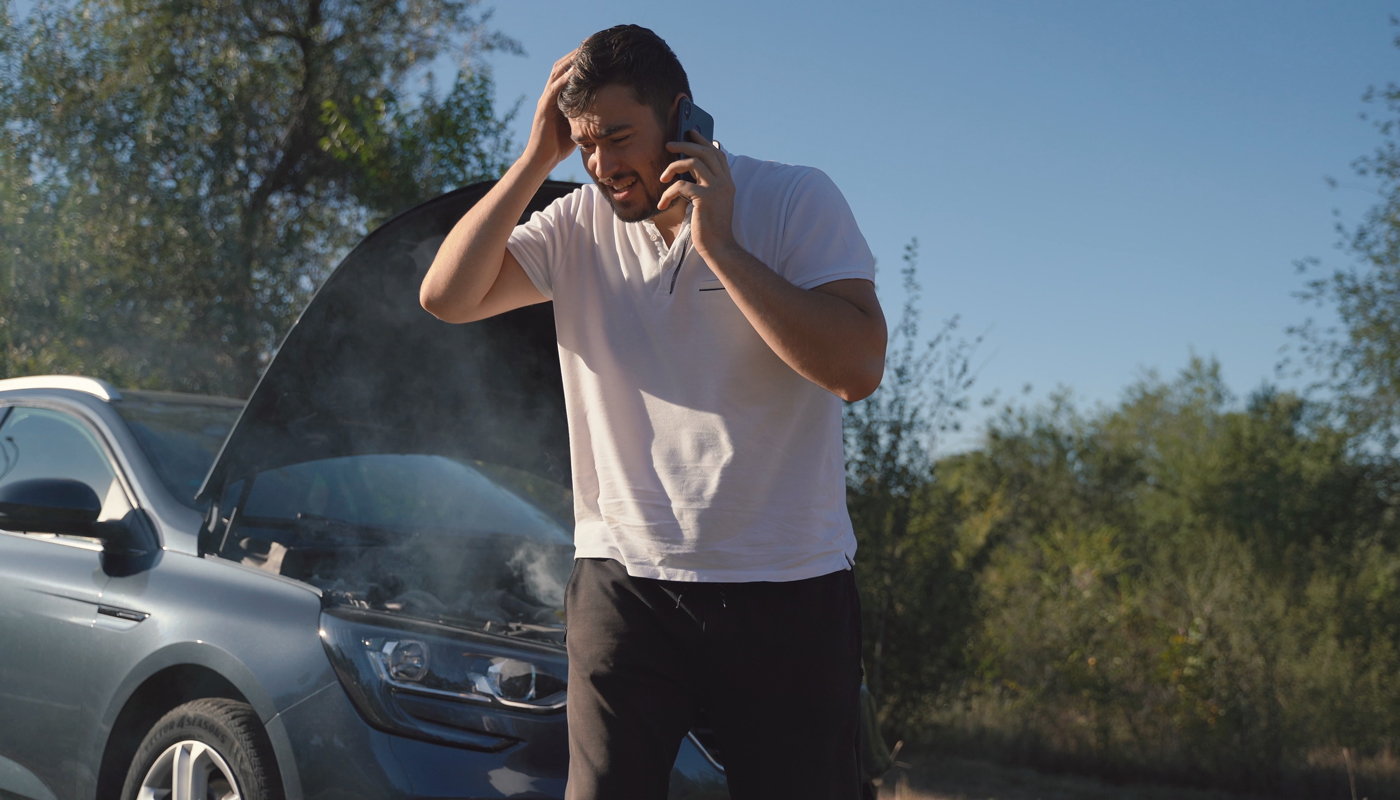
863 382
857 391
435 304
430 302
868 371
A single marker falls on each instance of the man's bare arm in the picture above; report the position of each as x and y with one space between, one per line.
833 335
474 275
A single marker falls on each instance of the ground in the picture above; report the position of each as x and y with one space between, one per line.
936 777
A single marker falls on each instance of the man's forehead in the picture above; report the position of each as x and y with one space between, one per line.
585 127
615 109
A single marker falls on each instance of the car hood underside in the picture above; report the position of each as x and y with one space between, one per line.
367 370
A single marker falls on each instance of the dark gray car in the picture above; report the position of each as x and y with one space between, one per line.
351 587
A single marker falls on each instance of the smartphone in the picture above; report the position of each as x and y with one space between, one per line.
690 117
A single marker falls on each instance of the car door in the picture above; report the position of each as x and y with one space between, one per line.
50 585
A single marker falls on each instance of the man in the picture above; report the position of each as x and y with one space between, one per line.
708 332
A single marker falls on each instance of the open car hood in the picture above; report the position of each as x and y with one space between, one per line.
365 370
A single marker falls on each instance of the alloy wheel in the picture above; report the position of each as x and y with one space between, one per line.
189 770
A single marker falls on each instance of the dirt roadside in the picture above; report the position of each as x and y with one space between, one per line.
935 777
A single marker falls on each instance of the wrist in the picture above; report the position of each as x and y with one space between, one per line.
722 254
534 164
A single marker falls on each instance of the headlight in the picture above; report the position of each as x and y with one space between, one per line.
442 684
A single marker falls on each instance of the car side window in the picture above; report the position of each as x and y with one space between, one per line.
40 443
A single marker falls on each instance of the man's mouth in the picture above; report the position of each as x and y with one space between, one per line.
623 189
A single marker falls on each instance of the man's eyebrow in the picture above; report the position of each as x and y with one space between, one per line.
604 133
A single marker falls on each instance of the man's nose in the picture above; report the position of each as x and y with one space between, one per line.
604 165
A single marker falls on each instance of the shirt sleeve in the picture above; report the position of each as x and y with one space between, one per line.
821 242
539 242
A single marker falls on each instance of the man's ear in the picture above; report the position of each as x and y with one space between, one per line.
671 116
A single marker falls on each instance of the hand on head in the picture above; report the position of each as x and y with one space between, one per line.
549 133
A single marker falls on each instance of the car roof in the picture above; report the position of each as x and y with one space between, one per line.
105 391
94 386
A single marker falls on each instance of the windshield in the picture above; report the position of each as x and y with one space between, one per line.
427 536
179 433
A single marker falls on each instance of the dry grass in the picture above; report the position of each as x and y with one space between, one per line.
1379 770
936 777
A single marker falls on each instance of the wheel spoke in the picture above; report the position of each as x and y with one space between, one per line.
182 774
199 775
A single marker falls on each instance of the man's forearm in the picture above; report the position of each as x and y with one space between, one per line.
469 260
826 336
833 335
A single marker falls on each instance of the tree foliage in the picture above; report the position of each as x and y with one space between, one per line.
915 611
1178 587
179 175
1359 356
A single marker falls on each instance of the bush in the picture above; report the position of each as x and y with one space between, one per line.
1173 589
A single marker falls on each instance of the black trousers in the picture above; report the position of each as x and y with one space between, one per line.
775 667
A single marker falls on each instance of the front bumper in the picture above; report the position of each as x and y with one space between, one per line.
340 757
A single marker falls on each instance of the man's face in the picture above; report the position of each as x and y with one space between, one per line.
624 151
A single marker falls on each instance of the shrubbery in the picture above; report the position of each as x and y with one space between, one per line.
1175 588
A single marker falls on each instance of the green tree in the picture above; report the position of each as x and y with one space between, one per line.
1181 587
187 171
916 598
1358 357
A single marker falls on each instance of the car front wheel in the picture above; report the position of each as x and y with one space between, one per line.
211 749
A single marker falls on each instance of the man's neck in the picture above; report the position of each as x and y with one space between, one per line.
669 222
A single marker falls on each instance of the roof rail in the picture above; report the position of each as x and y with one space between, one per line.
93 386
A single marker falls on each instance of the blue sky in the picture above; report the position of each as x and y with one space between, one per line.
1100 188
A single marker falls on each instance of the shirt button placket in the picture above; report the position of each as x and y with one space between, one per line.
656 241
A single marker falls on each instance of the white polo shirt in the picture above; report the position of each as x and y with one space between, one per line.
698 455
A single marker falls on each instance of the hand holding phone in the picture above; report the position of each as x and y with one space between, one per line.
690 117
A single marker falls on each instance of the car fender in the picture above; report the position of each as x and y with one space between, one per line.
238 675
199 654
256 634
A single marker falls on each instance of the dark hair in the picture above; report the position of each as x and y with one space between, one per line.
625 55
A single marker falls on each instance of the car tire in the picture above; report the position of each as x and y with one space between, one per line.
222 744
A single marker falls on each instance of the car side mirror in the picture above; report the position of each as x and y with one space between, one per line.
49 505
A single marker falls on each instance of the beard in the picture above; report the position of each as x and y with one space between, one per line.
644 207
